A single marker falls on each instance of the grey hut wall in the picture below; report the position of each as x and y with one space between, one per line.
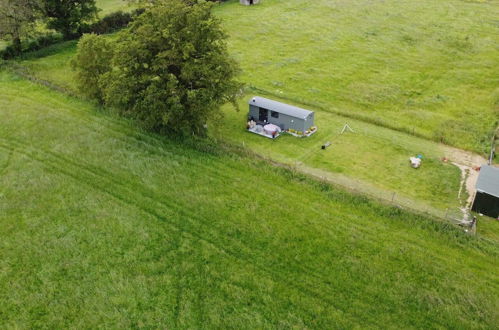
247 2
486 204
284 121
287 122
310 121
254 112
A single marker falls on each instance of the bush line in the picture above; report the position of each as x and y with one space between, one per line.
108 24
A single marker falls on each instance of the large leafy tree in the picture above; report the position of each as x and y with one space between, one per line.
17 19
171 68
68 16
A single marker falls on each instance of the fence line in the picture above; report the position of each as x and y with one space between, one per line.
452 216
495 137
24 73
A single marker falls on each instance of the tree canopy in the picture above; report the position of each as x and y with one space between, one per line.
68 16
17 18
170 68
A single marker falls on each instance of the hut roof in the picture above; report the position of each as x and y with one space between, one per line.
283 108
488 180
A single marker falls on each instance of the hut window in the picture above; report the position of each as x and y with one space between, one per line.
274 114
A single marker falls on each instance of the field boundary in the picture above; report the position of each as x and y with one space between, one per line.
403 203
24 72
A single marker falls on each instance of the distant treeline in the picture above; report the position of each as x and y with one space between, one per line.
108 24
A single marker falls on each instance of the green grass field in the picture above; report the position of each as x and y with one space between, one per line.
424 67
105 226
428 66
373 160
318 67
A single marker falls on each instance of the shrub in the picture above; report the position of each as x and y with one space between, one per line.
31 45
108 24
112 22
92 60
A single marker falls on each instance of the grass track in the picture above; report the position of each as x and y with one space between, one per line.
105 225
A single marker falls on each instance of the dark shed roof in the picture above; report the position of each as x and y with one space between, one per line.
488 180
280 107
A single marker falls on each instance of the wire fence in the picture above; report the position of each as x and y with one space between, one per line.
460 217
454 215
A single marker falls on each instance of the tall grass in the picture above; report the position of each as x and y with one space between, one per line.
102 225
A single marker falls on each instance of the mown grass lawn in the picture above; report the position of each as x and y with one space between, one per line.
371 159
428 66
103 225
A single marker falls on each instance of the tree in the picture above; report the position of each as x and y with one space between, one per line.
17 19
92 60
68 16
171 68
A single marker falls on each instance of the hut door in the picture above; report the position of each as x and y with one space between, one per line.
263 114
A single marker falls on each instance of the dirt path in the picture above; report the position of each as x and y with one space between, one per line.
466 161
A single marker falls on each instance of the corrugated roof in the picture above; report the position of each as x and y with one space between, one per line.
488 180
279 107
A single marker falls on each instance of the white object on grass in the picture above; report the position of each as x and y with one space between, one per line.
415 162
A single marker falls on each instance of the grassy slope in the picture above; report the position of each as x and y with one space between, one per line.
53 64
425 65
377 156
102 225
109 6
